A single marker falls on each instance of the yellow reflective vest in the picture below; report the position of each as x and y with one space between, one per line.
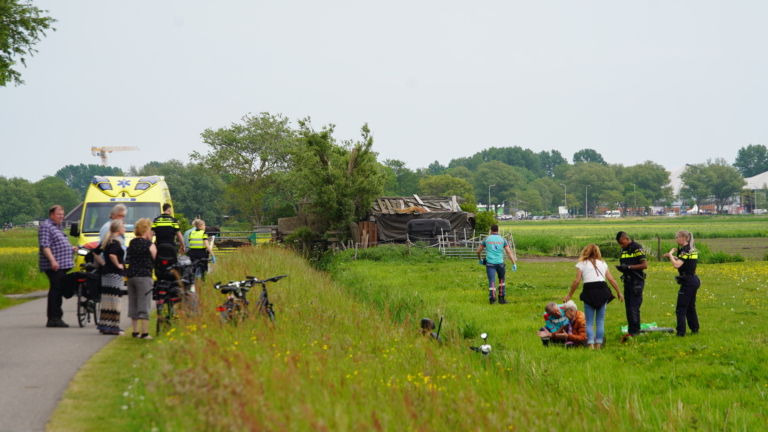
197 239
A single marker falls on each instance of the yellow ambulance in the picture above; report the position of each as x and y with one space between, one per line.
143 197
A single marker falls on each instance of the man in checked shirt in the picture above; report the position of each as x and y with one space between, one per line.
55 261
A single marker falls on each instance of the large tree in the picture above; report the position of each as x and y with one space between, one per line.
604 188
725 181
402 181
502 179
445 185
18 201
643 184
52 190
253 153
338 181
752 160
550 161
79 177
21 26
588 155
696 184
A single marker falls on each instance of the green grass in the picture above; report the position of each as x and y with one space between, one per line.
346 355
19 268
565 238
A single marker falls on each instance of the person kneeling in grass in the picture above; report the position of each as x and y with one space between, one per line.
564 324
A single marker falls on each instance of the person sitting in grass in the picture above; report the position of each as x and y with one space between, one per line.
564 324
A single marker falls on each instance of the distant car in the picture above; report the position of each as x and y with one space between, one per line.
672 214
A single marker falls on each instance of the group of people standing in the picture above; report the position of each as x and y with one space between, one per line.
562 322
565 323
117 261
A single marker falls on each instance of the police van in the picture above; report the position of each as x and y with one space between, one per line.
143 197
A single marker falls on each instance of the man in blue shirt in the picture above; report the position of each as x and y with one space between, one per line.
495 247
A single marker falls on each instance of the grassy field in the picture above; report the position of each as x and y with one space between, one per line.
566 238
346 355
18 262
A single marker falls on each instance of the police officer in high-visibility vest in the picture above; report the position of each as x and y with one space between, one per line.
166 228
685 262
199 246
631 264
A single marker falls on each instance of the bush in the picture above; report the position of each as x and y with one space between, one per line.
300 239
483 221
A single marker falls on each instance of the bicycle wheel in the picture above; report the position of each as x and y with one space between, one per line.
160 319
270 313
82 312
96 312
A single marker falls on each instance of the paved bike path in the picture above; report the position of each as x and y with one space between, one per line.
37 363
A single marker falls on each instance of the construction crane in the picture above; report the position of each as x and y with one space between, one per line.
102 152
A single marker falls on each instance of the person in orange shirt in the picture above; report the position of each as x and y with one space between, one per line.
573 334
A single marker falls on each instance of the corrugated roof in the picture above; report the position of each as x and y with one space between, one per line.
416 204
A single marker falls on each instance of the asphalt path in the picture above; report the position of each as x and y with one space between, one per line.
37 363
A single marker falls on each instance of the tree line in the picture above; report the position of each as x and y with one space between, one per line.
263 168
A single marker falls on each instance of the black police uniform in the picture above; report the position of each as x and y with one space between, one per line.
689 286
165 228
634 283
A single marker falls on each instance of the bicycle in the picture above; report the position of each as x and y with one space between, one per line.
237 303
168 291
88 302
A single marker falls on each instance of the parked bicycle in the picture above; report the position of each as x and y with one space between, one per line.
236 306
88 296
170 289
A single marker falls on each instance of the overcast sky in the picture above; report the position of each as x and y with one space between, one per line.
670 81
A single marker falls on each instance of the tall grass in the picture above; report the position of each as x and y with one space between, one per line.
342 358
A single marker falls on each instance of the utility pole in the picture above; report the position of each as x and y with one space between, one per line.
634 192
489 197
586 206
565 197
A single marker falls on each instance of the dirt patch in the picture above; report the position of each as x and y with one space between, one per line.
546 259
751 248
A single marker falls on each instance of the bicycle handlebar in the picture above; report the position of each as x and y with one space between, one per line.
247 283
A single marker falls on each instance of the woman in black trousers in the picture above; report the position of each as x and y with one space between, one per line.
685 260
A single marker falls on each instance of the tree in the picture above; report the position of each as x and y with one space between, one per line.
643 184
547 188
436 169
339 181
461 172
18 201
725 181
51 191
406 181
252 152
196 191
445 185
504 178
79 177
588 155
529 199
604 187
550 161
21 26
696 184
752 160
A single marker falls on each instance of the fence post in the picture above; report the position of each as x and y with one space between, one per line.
659 250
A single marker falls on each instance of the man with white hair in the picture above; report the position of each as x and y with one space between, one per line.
564 324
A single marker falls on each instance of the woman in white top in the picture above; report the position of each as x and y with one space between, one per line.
596 294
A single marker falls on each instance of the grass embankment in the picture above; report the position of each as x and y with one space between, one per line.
346 356
566 238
